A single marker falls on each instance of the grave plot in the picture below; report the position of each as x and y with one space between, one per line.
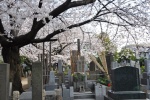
125 84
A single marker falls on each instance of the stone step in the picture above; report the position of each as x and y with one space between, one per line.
107 98
84 95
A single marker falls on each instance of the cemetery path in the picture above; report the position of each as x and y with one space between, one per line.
24 81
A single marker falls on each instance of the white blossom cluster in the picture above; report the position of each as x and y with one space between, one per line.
135 12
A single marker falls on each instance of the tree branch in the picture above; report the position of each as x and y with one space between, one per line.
40 3
37 25
62 48
49 36
116 13
102 20
80 3
4 42
1 27
63 7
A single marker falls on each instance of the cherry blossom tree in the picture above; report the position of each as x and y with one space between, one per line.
29 22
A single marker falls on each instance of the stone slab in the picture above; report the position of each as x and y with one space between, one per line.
126 95
125 79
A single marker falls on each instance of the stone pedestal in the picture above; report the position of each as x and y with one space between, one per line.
50 87
125 95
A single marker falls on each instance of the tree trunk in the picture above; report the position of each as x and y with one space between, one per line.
11 56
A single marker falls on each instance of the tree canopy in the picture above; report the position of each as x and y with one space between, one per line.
23 22
30 22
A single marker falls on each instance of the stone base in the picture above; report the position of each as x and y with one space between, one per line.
50 87
126 95
66 98
148 94
107 98
144 88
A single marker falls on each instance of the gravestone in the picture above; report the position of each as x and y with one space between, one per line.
37 81
82 59
69 77
146 73
74 58
52 78
137 65
4 81
60 67
125 84
147 66
61 76
109 59
145 80
79 66
51 84
92 66
125 79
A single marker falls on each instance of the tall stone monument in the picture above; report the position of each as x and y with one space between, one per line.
37 81
4 81
74 58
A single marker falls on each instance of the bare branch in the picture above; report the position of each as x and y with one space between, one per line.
40 3
80 3
102 20
37 25
40 6
1 27
63 7
117 14
58 51
48 37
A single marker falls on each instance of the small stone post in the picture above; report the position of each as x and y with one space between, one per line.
16 95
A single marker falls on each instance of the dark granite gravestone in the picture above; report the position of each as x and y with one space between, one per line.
92 66
125 84
60 66
125 79
109 59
